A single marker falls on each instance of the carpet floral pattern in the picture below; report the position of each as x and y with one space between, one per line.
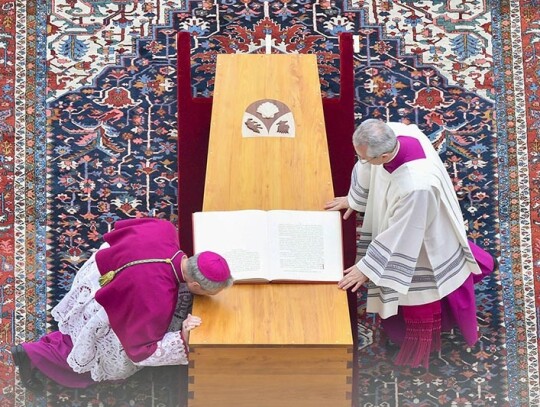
88 136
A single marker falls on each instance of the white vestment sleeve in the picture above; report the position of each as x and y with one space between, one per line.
359 190
171 350
391 257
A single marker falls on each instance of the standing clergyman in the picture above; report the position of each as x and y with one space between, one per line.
415 255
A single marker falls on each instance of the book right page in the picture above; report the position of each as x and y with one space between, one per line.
305 245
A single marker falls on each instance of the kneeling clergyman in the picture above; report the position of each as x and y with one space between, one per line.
123 311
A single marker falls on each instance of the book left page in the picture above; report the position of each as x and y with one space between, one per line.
239 236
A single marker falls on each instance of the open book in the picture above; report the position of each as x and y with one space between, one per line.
276 245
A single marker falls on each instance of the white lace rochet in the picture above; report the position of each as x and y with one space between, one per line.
96 348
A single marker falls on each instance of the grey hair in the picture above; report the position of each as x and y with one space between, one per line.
376 135
206 284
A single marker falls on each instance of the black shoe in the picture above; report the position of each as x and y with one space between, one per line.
392 349
22 361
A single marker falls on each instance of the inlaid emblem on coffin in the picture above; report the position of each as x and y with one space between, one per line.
268 118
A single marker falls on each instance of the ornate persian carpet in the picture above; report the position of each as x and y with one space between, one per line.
88 136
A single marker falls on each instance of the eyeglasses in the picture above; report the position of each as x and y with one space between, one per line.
364 161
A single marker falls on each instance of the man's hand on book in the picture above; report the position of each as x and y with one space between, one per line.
339 203
353 277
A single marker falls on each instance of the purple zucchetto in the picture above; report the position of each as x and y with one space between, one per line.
213 266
